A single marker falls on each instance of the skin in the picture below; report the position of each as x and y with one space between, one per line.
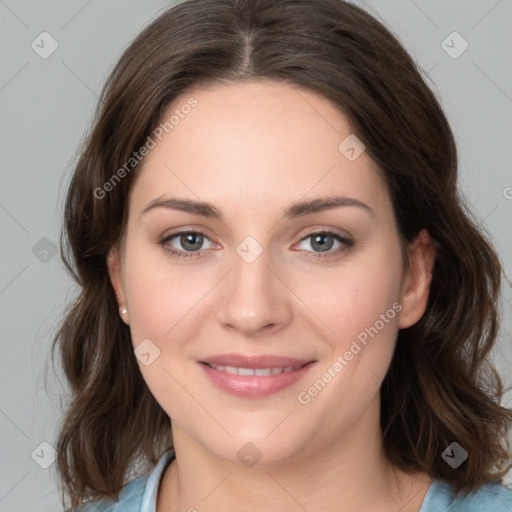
252 149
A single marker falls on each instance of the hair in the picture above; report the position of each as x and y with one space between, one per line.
441 385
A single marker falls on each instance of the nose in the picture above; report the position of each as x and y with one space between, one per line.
253 300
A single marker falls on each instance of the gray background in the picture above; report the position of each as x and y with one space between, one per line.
46 105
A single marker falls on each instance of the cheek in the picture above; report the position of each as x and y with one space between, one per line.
352 297
161 300
162 297
361 306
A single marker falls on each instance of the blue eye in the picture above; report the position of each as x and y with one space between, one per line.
190 241
323 241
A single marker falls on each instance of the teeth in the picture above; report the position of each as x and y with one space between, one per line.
254 371
263 371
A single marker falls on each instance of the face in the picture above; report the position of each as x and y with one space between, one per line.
304 295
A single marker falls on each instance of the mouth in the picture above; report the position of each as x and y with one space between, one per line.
260 372
254 376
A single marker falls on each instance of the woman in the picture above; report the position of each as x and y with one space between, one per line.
284 303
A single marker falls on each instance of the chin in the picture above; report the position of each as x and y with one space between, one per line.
252 446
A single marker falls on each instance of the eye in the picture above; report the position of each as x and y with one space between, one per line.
191 243
322 243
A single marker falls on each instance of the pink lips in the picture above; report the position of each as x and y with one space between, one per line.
270 378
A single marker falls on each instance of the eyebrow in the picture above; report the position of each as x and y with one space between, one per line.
295 210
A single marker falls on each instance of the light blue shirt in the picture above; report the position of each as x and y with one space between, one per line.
140 496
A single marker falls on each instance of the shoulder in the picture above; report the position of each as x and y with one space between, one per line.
129 500
139 495
487 498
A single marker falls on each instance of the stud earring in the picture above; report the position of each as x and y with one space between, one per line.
123 311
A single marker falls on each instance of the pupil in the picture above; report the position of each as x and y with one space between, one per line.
191 241
320 240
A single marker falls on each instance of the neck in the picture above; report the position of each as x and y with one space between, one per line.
349 475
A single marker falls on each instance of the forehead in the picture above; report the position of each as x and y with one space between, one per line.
255 141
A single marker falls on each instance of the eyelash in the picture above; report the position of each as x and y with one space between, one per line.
347 245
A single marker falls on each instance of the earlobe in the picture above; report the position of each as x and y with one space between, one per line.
416 284
116 278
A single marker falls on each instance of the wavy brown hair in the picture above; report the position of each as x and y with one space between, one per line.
441 386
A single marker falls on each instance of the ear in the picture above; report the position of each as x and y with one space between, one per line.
415 287
115 271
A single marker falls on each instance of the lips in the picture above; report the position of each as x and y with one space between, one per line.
254 376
